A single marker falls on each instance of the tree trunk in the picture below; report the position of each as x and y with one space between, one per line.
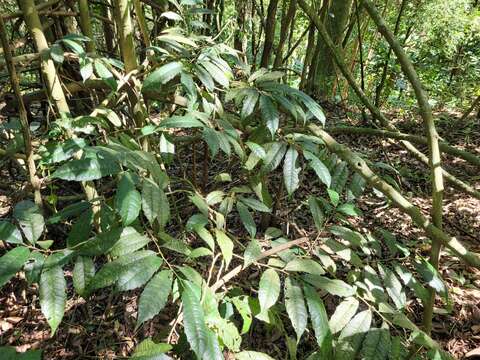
269 33
287 21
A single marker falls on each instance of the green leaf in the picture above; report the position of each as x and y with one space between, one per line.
56 152
154 296
100 244
194 322
12 262
333 286
56 53
243 307
33 267
431 277
81 229
394 287
53 296
204 77
249 103
274 157
129 271
376 345
226 246
291 171
252 252
9 233
252 355
127 199
255 204
269 289
185 121
295 305
304 265
258 150
130 240
247 219
319 167
149 350
30 219
319 318
217 74
155 203
334 197
352 335
154 81
87 169
317 213
83 272
269 113
69 212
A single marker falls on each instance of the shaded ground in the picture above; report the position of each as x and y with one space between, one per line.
104 326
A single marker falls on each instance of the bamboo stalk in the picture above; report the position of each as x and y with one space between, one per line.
432 231
433 145
27 136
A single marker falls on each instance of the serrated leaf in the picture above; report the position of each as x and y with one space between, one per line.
243 307
154 296
333 286
12 262
129 271
194 322
255 204
151 200
149 350
204 77
154 81
317 213
247 219
87 169
376 345
352 335
83 272
68 212
30 219
81 229
130 240
394 287
100 244
304 265
269 289
256 149
56 152
226 246
217 74
269 113
53 295
291 171
249 103
9 233
295 305
127 199
181 122
319 167
252 252
274 157
319 319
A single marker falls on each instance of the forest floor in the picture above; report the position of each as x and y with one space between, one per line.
104 326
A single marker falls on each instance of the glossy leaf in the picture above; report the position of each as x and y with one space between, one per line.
53 295
30 219
269 289
12 262
155 296
295 305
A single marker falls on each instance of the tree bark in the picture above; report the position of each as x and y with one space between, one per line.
22 112
287 21
86 24
269 33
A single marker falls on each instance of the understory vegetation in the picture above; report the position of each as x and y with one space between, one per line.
240 179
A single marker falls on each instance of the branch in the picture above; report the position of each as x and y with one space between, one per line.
432 231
